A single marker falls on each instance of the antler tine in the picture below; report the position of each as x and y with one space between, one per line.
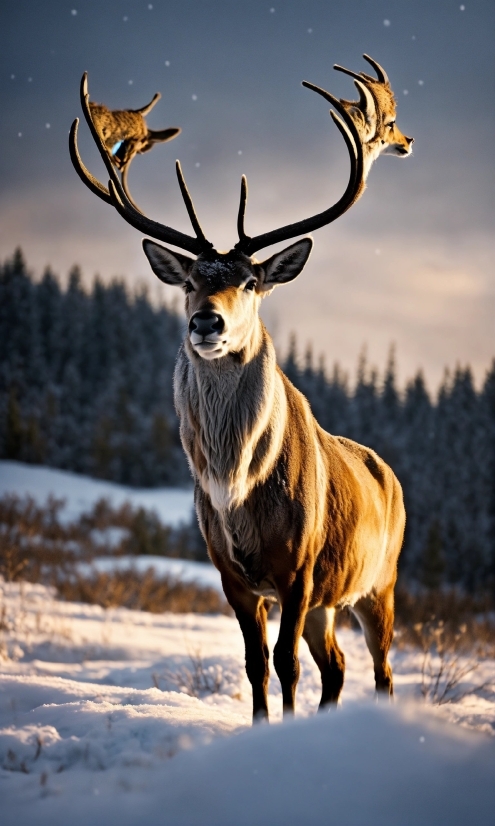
85 175
190 207
84 95
125 187
117 194
380 71
353 191
355 75
243 238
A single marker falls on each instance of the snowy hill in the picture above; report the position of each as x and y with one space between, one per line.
108 717
172 505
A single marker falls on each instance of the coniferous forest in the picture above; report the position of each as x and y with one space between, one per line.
86 385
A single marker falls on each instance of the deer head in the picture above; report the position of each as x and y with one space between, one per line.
224 290
374 115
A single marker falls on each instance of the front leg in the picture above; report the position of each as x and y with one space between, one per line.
285 654
251 615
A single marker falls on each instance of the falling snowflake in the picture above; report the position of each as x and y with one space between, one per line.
386 22
130 82
405 92
272 11
167 63
421 83
47 125
19 134
12 77
197 164
413 37
150 6
462 8
310 31
194 97
74 12
239 152
30 79
125 19
377 252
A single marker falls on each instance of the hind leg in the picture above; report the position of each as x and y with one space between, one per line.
320 635
376 617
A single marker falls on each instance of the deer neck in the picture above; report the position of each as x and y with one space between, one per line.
239 406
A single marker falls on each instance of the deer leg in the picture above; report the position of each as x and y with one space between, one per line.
285 658
251 615
376 616
320 635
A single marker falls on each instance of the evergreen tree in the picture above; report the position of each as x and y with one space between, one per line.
86 385
432 562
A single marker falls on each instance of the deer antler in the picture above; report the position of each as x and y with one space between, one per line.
117 196
354 190
381 77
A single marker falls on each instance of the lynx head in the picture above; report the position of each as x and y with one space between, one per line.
374 115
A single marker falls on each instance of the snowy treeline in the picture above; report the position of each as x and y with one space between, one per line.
86 385
442 450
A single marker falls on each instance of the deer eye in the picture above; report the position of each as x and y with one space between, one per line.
391 124
250 285
188 287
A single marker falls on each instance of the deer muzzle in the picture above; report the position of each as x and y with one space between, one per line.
205 330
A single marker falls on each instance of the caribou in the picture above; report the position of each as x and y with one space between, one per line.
290 514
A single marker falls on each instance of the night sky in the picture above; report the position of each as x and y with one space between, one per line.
411 264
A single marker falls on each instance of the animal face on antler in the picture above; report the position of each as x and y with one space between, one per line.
125 133
289 513
224 289
374 115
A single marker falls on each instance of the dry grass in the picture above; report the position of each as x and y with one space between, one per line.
35 541
467 622
142 592
448 663
199 679
37 545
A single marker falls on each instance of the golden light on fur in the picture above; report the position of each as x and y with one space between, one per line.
290 514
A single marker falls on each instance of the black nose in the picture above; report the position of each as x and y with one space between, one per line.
204 323
409 140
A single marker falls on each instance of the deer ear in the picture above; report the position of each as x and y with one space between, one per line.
170 267
366 101
286 265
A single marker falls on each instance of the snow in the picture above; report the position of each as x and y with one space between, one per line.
172 505
98 724
119 717
202 573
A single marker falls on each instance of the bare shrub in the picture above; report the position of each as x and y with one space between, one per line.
35 542
199 679
448 660
142 592
416 612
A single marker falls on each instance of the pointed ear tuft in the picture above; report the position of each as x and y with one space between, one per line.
163 135
286 265
170 267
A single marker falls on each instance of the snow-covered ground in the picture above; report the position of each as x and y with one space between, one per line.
173 505
202 573
99 724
